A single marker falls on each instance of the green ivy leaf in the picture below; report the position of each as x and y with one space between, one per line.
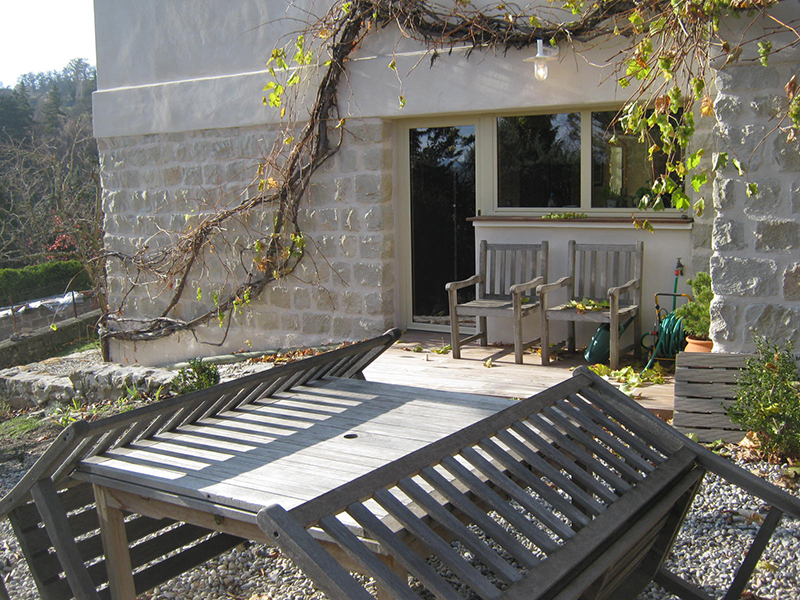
699 181
402 100
699 207
693 160
738 165
680 200
751 189
719 161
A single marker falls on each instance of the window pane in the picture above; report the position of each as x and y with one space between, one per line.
621 172
539 160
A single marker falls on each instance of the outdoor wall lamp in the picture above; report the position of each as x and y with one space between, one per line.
539 61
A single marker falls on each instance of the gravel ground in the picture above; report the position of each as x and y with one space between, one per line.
718 530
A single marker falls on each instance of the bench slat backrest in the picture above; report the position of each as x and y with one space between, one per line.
161 549
597 267
547 473
75 503
504 265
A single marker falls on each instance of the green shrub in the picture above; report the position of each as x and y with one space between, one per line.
768 399
197 376
46 279
696 315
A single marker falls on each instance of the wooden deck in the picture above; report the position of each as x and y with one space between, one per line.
504 378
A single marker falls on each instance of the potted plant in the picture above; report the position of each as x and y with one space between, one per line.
696 315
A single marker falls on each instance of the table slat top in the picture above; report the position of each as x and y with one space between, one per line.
292 447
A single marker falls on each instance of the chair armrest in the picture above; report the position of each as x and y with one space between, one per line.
549 287
528 285
616 291
457 285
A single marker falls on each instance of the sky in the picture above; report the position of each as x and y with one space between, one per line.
44 35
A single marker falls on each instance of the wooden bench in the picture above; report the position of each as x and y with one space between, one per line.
505 284
601 273
576 492
705 386
61 523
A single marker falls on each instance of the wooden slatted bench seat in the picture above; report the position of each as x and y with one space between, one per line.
576 492
58 518
705 386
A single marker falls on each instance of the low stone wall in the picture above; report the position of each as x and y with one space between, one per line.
39 343
27 319
31 386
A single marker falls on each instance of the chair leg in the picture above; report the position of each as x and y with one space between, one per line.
614 340
483 330
544 334
518 341
637 336
571 336
455 340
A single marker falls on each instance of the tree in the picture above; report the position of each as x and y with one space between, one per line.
52 114
50 198
16 113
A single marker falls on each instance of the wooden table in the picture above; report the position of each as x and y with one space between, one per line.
287 449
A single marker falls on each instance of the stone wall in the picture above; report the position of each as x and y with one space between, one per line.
156 185
40 343
26 318
755 267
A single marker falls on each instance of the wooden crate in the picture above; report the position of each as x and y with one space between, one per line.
705 385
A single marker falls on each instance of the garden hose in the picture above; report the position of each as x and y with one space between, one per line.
670 338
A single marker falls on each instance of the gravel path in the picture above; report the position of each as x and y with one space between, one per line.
716 534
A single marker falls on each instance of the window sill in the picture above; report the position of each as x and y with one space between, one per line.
588 222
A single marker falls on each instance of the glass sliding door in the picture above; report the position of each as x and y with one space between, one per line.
442 186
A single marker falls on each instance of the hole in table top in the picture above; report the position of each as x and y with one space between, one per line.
350 436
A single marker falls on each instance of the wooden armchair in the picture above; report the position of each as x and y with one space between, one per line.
610 273
507 277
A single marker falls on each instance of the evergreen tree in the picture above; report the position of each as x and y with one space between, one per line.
52 113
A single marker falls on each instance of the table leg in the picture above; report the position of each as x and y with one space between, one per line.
115 545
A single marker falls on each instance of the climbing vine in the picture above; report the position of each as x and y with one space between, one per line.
668 52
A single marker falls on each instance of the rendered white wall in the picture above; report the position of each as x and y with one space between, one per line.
661 251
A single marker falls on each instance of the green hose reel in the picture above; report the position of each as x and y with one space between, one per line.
670 339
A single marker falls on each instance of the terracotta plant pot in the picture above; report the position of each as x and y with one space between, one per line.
698 345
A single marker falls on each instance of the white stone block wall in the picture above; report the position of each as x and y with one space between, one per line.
155 185
755 267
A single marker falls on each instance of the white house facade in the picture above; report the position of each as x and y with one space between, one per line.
398 212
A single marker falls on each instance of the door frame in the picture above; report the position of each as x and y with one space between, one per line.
483 178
